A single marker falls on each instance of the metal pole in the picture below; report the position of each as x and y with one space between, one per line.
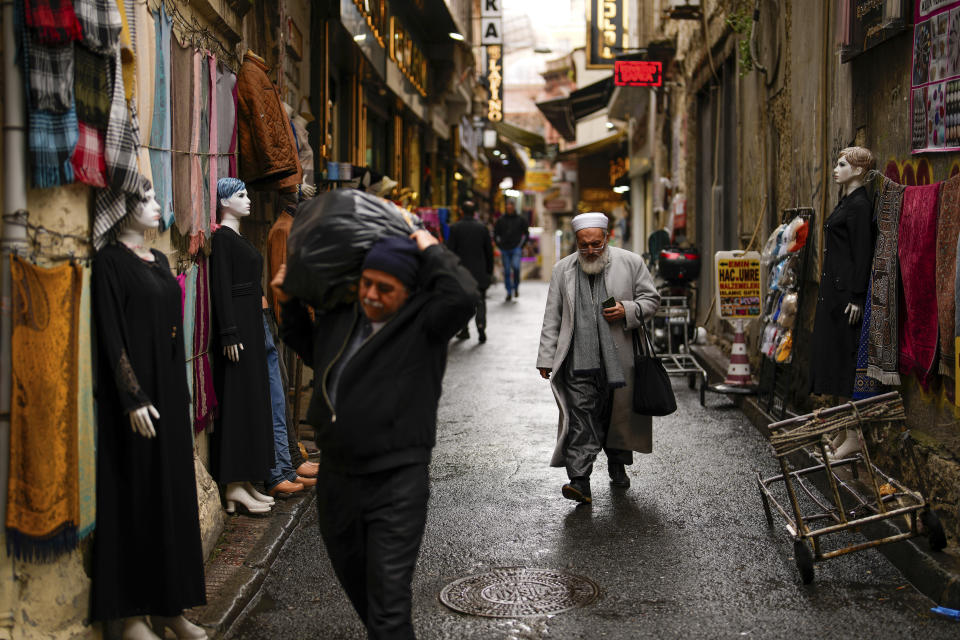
13 239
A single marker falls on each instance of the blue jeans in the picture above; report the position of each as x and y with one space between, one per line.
511 268
282 468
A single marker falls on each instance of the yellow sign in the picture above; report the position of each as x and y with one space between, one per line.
738 285
538 181
408 56
495 79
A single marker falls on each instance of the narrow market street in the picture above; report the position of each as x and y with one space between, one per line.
684 553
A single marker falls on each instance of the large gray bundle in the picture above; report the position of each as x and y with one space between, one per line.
330 237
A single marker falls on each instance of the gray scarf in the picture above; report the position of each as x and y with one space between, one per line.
592 343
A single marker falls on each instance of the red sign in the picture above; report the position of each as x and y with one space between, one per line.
637 73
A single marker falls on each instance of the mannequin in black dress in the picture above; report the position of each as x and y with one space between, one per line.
148 557
847 259
242 439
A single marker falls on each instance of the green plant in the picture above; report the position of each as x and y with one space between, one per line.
742 24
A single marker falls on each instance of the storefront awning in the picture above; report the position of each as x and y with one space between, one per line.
594 147
531 140
563 113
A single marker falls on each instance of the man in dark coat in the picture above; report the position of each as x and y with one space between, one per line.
848 240
380 365
511 233
470 240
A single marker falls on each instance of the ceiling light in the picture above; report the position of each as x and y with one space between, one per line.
512 193
456 36
610 125
621 189
360 37
457 175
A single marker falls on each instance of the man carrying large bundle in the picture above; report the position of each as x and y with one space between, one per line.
379 364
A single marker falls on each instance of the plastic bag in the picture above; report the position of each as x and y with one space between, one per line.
330 237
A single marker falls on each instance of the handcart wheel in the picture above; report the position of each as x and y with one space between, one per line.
804 559
692 381
935 533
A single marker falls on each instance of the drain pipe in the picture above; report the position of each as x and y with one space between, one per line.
13 239
753 39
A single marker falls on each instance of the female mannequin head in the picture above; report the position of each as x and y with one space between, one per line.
147 214
852 167
233 198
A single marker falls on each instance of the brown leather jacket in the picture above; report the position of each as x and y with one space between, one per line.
268 150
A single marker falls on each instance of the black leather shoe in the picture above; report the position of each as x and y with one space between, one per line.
618 475
483 335
577 489
464 334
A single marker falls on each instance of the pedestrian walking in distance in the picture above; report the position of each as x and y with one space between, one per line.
379 363
470 240
511 233
597 298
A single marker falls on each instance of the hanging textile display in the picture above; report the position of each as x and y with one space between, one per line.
917 252
89 164
51 76
956 329
160 140
189 284
213 147
181 97
101 25
91 84
204 397
86 416
196 168
863 385
51 136
948 227
43 507
143 33
226 123
54 21
883 349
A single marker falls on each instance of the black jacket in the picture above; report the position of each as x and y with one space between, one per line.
511 231
387 393
470 240
848 239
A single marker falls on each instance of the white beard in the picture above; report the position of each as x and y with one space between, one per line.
595 266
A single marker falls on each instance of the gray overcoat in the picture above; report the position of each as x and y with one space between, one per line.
628 280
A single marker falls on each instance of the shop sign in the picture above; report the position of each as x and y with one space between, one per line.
870 23
377 15
495 80
738 284
558 198
606 32
638 73
491 22
408 56
538 181
935 77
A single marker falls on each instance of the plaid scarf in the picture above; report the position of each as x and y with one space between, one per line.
92 87
88 161
54 21
50 136
51 75
100 20
122 143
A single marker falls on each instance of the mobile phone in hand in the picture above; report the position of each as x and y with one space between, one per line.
609 302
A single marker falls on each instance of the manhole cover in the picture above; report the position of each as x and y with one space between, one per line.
514 592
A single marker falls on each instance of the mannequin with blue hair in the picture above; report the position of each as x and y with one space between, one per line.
242 440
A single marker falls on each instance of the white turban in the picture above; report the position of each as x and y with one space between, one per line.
591 220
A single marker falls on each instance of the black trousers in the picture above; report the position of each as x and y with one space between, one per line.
372 526
481 316
589 404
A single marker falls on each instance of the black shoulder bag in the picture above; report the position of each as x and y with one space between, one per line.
652 391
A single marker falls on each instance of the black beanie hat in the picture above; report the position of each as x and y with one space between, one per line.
396 255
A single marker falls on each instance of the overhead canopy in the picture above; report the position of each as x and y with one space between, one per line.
563 113
594 147
529 139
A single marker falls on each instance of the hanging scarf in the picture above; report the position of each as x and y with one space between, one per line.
101 24
213 148
948 227
188 282
226 123
127 55
87 160
204 396
917 252
956 329
196 169
160 157
53 21
143 33
86 418
883 349
51 76
863 385
43 506
593 345
181 97
91 73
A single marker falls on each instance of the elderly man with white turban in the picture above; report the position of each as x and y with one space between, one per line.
598 297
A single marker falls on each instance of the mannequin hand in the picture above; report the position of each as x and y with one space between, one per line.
140 420
233 352
544 372
308 190
277 285
614 313
854 313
